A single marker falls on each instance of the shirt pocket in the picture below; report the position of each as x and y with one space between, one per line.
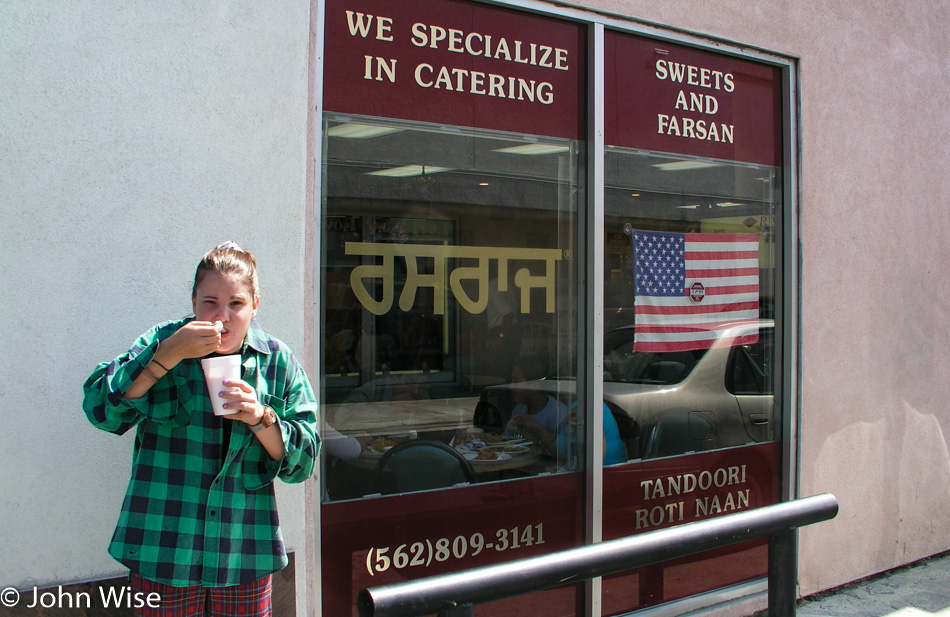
276 403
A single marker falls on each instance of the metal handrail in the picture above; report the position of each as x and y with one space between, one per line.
456 593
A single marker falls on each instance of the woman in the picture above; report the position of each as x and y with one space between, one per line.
199 521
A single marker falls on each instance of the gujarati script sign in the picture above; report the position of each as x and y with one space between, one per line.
440 254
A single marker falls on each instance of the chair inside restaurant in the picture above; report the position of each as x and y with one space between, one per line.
420 465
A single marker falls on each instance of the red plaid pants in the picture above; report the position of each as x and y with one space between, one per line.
247 600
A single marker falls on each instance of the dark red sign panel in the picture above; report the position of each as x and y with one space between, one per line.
456 63
642 497
671 98
377 541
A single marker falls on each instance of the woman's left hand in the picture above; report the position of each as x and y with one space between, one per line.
243 398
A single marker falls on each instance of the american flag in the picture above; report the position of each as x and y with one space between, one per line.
688 285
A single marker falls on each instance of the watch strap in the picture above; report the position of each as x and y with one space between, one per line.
268 419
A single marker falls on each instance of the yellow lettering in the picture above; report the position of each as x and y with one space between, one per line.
359 23
438 34
496 86
468 43
524 279
420 37
659 515
419 69
545 54
681 101
455 41
502 49
443 80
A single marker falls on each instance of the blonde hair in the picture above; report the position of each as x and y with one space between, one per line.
230 259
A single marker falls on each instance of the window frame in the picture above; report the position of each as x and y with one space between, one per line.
591 250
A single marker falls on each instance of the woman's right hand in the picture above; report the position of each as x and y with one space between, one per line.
195 339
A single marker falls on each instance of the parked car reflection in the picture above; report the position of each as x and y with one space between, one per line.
675 402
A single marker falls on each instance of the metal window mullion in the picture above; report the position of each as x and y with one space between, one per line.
593 328
314 569
791 298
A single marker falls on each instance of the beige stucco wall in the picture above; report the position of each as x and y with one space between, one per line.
875 288
135 136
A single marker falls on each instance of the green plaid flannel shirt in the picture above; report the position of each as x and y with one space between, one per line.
187 518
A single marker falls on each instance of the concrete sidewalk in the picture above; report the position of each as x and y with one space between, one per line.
917 590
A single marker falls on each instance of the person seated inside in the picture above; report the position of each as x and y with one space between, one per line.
562 443
531 404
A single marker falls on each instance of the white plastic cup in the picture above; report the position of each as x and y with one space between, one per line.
216 370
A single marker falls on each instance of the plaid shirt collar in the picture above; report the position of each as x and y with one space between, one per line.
256 339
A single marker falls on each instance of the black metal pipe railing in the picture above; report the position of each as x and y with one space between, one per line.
456 593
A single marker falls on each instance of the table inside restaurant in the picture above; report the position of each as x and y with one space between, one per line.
370 458
438 419
378 418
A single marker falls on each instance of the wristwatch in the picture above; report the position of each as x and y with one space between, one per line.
267 420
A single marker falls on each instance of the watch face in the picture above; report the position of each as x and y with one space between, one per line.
269 416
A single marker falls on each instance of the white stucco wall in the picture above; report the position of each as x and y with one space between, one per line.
135 136
875 289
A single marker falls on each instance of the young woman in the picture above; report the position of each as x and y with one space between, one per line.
199 521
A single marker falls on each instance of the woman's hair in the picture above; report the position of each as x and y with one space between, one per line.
230 259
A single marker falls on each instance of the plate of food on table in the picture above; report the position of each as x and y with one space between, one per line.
492 439
483 447
383 443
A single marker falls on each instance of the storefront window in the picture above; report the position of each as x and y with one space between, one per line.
455 241
448 301
693 202
453 158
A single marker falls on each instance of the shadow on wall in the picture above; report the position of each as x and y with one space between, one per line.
893 491
923 488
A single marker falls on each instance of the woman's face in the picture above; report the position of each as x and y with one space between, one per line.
224 298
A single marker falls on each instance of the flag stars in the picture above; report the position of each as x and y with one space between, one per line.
659 267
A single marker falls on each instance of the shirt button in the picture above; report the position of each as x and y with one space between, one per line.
213 512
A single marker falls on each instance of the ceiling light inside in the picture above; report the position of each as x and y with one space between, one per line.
408 171
534 149
684 165
355 130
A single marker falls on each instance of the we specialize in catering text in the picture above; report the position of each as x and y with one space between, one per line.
456 79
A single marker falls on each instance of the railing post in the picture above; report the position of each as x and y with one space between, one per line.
783 572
